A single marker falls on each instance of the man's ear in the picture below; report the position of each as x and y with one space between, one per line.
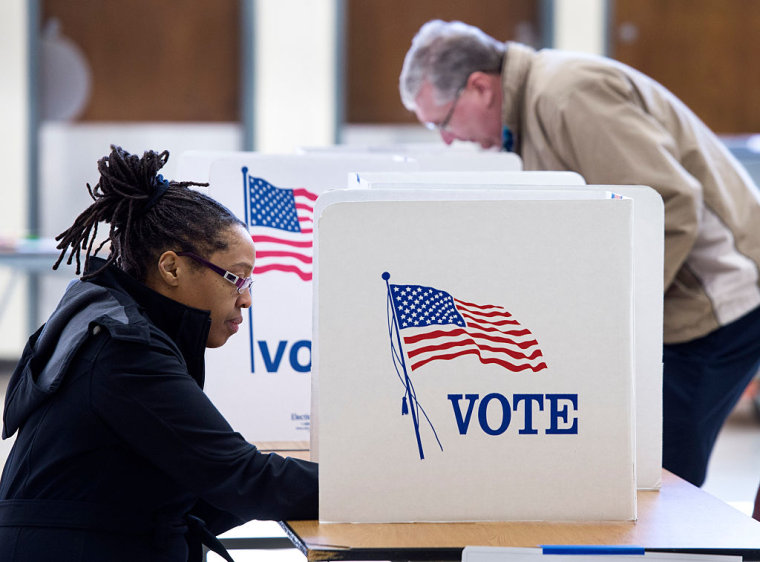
169 268
483 85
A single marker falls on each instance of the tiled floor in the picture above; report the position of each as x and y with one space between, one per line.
733 476
734 471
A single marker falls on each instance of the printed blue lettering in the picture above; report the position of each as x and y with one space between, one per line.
562 413
462 424
300 367
556 413
528 428
506 413
270 364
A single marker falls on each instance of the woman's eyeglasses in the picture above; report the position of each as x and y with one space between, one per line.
242 283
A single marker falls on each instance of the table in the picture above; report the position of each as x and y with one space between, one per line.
296 449
237 539
32 258
678 518
37 257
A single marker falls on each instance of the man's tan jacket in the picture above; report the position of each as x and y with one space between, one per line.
614 125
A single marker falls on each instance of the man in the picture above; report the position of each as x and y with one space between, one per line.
613 125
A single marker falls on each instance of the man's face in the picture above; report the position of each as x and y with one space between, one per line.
475 114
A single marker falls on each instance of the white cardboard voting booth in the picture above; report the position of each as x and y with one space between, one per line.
468 179
260 378
196 164
473 355
649 255
429 154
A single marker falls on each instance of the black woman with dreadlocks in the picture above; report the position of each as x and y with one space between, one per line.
119 453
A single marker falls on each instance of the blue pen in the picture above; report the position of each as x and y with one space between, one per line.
591 549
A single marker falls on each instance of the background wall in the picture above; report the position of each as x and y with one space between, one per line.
154 60
278 74
14 162
580 25
296 88
379 32
705 51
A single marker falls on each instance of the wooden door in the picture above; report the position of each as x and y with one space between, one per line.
707 52
379 32
156 60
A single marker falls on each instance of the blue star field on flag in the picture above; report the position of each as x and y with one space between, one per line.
273 206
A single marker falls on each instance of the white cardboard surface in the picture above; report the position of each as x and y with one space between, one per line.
466 179
648 282
429 155
544 262
260 379
649 254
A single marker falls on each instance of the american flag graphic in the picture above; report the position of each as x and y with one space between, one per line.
434 325
282 226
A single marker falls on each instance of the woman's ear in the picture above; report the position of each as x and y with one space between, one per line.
169 268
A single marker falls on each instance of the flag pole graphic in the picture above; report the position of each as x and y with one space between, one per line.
246 196
412 399
247 210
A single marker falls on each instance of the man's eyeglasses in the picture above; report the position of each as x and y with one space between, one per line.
242 283
444 125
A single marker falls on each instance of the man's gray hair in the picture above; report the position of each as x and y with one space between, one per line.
445 54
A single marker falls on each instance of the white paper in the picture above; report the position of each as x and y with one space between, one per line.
510 554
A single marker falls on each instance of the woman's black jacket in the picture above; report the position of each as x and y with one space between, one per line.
119 452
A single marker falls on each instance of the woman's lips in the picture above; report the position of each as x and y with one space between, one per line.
234 324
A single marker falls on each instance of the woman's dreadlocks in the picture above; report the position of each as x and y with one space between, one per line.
147 214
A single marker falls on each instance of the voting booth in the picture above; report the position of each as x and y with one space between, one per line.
474 354
466 179
428 155
649 254
260 379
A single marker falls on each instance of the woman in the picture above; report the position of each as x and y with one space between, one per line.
119 454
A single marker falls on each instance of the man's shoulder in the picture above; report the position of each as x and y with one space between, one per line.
572 67
560 79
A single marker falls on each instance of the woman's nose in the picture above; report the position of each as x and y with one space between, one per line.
244 299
